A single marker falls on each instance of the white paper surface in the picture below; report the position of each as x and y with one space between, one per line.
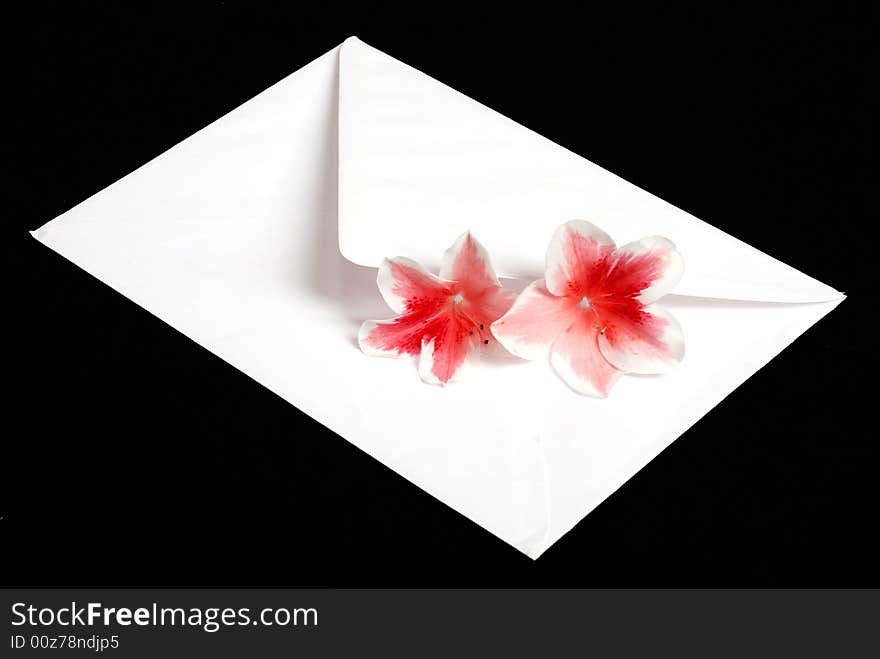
233 238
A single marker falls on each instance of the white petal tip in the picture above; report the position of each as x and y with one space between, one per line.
365 330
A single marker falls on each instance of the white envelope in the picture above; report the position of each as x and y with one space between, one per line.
258 238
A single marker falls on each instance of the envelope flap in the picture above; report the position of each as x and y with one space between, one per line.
419 163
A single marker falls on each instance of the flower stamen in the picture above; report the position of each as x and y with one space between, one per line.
479 327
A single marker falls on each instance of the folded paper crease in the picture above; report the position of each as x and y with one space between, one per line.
258 238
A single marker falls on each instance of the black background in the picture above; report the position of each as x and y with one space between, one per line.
134 457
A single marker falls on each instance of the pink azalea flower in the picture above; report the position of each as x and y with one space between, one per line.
442 319
595 310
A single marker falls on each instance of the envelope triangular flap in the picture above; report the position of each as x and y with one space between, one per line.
419 163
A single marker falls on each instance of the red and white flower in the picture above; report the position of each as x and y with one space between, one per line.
594 312
442 319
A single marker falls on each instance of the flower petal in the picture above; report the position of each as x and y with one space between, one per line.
576 358
442 355
534 321
403 335
577 258
467 263
375 339
494 304
404 282
647 269
646 341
